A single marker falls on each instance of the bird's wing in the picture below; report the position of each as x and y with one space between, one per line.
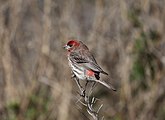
86 59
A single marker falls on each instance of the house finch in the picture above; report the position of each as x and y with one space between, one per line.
83 64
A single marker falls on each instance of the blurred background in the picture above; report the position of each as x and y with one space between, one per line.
126 37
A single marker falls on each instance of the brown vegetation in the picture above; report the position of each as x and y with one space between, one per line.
126 37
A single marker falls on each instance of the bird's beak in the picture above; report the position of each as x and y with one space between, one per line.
66 47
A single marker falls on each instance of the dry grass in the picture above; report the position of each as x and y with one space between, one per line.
126 37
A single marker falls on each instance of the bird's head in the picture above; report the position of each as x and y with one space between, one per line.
72 45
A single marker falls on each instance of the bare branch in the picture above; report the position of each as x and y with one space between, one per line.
89 101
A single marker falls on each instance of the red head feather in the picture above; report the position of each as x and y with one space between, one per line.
72 44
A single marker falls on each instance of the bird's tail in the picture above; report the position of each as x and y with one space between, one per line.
109 86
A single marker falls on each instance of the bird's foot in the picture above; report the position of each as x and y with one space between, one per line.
73 76
82 93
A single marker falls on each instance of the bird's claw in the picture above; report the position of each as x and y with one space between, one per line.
82 93
73 76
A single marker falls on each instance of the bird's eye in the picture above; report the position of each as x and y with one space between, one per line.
70 45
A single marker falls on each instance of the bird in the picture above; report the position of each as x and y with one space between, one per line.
83 64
